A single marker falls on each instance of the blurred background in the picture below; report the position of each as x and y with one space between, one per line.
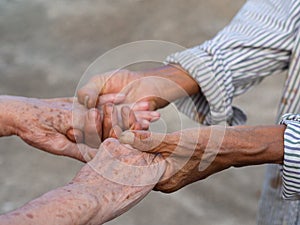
45 47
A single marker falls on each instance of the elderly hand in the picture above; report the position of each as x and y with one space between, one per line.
48 124
188 156
107 86
119 176
54 125
157 87
115 180
194 154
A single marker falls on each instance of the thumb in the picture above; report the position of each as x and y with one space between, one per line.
60 145
144 140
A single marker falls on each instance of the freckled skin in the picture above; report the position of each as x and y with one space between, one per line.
44 124
90 198
29 215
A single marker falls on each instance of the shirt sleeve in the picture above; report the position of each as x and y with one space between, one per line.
291 161
257 43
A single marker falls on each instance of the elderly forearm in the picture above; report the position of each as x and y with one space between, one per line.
67 205
77 204
6 120
253 145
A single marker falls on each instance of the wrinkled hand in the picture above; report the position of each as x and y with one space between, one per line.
124 86
119 177
115 180
54 125
187 153
48 124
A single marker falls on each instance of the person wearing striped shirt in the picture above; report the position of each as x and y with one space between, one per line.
262 39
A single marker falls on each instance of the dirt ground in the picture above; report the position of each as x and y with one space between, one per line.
45 46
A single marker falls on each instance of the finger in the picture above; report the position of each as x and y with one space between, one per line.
151 116
115 132
60 145
93 128
111 98
130 122
88 94
89 100
128 117
110 119
75 135
145 124
86 153
141 106
136 126
144 140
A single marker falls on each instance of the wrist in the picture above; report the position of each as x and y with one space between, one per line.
181 79
7 121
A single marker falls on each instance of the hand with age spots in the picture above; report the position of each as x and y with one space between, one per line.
115 180
54 125
46 124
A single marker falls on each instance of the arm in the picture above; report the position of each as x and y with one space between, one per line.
155 87
257 43
93 196
194 154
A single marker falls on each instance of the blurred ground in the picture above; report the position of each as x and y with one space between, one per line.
45 46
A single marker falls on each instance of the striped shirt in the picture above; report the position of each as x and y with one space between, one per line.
262 39
291 164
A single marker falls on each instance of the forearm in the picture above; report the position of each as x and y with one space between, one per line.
91 203
220 148
179 76
253 145
6 120
72 204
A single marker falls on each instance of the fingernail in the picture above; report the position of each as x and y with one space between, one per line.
93 114
86 100
127 137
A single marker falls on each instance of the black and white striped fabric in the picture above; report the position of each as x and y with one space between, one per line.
263 38
291 165
257 43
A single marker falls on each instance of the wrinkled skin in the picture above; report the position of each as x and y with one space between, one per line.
93 197
188 156
47 124
54 125
119 182
136 87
